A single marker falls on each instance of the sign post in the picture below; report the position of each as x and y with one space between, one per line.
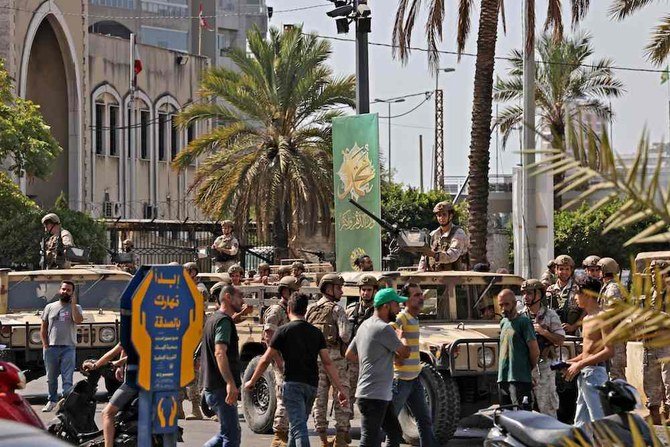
162 315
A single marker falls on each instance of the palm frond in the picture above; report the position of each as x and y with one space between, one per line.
659 47
620 9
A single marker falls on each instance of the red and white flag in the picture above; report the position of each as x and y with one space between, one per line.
203 20
137 65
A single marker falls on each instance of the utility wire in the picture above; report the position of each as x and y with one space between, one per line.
406 113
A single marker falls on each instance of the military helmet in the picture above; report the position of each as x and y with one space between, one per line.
531 285
330 278
367 280
551 264
289 282
235 268
298 265
591 261
227 223
443 207
216 288
174 263
284 270
609 266
564 260
263 266
191 266
51 217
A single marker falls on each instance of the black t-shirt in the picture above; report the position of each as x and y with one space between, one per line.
299 343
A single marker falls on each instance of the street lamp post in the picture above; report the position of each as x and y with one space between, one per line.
439 130
389 102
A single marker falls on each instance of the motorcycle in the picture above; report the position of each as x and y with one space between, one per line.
520 428
13 406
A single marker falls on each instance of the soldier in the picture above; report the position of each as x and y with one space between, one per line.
298 270
449 243
236 273
284 270
56 241
656 373
548 278
561 295
610 293
275 317
263 276
328 316
226 248
550 334
590 264
357 313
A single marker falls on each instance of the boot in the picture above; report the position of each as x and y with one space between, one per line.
341 439
195 413
347 436
180 409
324 440
665 413
280 439
655 414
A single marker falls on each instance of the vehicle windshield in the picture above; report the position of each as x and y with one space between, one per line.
92 295
467 305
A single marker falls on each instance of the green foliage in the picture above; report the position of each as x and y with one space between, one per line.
86 231
20 227
579 234
25 140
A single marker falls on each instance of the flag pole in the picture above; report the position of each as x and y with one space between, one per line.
199 38
131 129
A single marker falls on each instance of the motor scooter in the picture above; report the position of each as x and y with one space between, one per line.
12 405
520 428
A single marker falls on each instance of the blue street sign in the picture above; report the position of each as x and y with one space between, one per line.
162 315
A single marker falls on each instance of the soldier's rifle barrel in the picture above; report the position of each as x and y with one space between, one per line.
481 297
384 224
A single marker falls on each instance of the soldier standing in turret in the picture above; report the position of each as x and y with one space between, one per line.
55 243
449 243
327 315
226 248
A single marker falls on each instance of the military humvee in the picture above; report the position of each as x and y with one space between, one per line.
23 296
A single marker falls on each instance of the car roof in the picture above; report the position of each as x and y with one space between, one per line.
468 276
89 273
651 255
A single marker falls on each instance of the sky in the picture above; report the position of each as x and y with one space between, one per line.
644 105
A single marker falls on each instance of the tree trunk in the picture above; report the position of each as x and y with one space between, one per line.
280 232
480 137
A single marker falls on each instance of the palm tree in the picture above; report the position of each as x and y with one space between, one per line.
269 155
658 48
480 137
560 79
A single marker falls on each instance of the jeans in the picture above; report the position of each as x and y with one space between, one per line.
376 414
412 394
298 400
513 393
229 432
589 407
59 360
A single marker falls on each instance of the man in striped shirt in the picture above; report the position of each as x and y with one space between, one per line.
407 388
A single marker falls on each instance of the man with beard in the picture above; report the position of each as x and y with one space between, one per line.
449 243
519 353
561 295
59 340
364 263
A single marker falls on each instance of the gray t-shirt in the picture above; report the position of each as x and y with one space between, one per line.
61 328
375 343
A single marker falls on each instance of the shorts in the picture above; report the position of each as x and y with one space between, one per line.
123 396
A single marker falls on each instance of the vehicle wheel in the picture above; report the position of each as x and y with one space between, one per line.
259 404
443 400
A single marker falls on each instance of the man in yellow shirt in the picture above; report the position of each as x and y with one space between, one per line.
407 388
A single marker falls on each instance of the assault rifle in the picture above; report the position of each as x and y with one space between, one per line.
321 255
413 240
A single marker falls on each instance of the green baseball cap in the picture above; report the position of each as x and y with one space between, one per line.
386 296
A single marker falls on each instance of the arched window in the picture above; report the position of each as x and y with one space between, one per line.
139 124
106 121
169 135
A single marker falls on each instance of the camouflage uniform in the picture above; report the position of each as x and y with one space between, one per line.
548 278
332 320
275 317
228 242
656 375
546 396
357 313
561 298
449 247
610 293
54 249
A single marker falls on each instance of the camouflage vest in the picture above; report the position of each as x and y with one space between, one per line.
322 316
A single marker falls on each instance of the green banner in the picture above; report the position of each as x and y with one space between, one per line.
356 177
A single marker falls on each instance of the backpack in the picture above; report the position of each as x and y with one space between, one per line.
321 316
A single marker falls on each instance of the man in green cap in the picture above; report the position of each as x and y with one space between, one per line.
374 348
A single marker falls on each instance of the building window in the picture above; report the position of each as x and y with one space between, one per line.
174 138
125 4
128 132
113 130
162 121
99 128
144 134
166 7
190 133
165 38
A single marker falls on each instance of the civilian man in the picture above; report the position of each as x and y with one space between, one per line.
59 339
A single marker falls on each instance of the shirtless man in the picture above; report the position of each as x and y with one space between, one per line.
592 362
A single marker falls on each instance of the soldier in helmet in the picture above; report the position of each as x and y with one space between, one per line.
298 270
284 270
590 264
193 271
449 243
327 315
550 335
610 293
226 248
263 276
561 295
54 243
236 273
275 317
357 313
129 260
655 368
548 278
